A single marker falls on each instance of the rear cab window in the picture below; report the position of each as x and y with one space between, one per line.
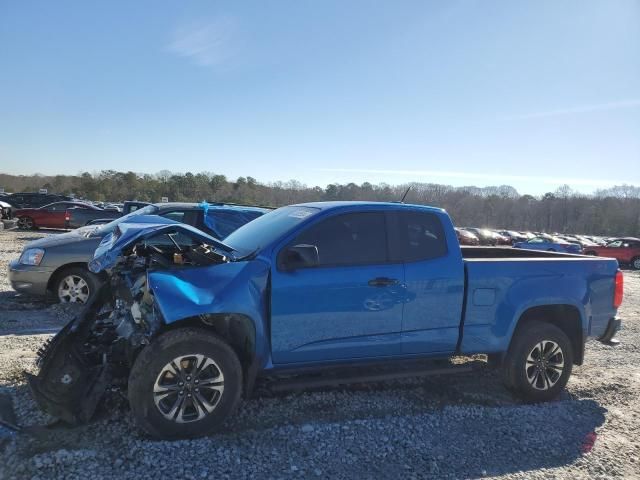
416 236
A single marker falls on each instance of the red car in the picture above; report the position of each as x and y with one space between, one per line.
466 238
625 250
48 216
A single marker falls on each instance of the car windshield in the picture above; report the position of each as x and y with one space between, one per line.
267 228
110 227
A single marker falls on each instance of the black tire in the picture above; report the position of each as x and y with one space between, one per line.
518 372
87 287
590 252
635 263
149 368
27 223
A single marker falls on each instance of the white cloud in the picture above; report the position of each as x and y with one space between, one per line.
632 103
207 43
427 175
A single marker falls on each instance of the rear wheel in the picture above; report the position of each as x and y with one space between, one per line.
26 222
635 263
184 384
539 362
590 252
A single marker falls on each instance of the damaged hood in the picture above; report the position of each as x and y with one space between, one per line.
127 234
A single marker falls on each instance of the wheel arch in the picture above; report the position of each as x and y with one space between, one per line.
238 330
61 269
566 317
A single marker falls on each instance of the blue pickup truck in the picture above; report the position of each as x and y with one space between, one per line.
312 294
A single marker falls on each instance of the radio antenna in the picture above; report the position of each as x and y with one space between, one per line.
405 194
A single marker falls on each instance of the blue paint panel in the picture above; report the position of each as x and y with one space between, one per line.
484 296
332 313
521 284
238 287
431 317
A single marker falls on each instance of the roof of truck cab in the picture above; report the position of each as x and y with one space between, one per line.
212 206
347 204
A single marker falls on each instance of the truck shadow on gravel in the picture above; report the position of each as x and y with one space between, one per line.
434 427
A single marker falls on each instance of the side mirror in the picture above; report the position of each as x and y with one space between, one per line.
300 256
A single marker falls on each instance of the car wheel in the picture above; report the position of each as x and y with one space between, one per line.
26 223
185 384
75 285
635 263
539 362
590 252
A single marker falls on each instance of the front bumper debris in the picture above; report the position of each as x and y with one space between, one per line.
68 386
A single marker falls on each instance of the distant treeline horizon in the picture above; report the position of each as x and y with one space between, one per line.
612 211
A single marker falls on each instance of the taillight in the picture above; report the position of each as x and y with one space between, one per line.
619 290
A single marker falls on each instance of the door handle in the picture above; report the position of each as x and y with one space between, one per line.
383 281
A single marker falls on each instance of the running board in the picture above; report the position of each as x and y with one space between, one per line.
351 375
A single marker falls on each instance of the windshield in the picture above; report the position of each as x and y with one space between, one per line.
110 227
267 228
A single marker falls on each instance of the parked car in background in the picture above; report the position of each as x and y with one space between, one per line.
79 218
58 264
513 236
311 294
626 250
583 242
465 237
552 244
597 240
104 214
489 237
34 200
49 216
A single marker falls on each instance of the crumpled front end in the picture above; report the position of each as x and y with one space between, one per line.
94 352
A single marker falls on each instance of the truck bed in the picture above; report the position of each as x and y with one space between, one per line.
500 282
498 253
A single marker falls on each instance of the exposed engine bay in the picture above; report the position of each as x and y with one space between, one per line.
95 351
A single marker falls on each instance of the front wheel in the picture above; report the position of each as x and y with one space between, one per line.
185 384
75 285
539 362
635 263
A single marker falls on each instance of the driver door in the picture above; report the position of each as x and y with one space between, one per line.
347 306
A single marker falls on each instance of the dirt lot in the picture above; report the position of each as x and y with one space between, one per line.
465 426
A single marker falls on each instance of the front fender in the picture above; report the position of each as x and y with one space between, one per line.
235 287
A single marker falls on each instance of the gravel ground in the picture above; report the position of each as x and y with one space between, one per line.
463 426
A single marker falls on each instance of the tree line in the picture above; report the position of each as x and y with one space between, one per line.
614 211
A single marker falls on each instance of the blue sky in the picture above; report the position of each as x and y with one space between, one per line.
532 94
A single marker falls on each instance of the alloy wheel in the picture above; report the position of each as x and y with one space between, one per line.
73 289
188 388
544 365
25 222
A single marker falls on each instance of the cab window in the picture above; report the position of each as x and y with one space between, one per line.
348 239
417 236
